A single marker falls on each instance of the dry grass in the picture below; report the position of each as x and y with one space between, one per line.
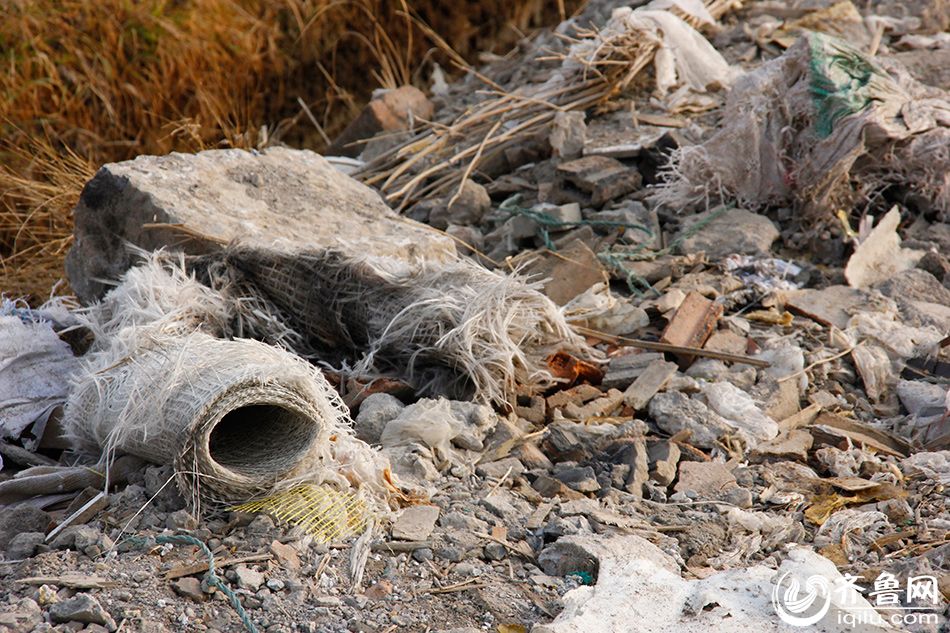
84 82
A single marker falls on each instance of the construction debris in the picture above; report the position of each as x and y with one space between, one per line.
656 336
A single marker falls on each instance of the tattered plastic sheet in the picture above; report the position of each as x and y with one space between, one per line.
35 369
818 127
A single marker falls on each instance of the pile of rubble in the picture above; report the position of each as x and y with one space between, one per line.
643 351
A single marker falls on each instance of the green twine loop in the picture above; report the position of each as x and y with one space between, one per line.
210 577
546 222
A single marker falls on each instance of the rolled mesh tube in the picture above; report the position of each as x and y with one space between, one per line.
236 418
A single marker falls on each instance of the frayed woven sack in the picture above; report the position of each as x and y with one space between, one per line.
237 418
453 329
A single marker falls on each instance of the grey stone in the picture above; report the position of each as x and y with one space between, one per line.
495 551
77 537
248 578
450 553
415 523
505 505
581 479
566 214
189 588
505 239
375 413
282 199
643 224
26 616
468 239
161 489
568 134
674 412
422 554
735 231
462 521
181 520
21 519
24 545
664 456
472 203
634 456
501 467
739 497
261 524
81 608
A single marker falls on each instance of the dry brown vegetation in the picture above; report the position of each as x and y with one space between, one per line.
84 82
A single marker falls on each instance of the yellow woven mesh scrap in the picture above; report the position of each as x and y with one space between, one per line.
325 513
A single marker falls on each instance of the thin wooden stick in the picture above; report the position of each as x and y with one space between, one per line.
676 349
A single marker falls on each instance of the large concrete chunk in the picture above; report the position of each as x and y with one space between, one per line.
283 199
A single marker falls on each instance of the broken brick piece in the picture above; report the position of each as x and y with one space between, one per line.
693 322
600 177
390 111
581 394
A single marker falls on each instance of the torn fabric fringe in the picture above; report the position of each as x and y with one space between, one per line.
818 128
453 329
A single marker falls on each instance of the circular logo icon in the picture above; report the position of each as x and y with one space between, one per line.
801 606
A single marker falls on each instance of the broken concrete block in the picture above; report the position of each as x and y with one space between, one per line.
388 111
709 480
550 487
830 306
792 445
727 341
247 578
280 199
415 523
81 608
634 455
531 408
595 408
734 231
693 322
663 459
624 369
601 178
532 457
646 385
